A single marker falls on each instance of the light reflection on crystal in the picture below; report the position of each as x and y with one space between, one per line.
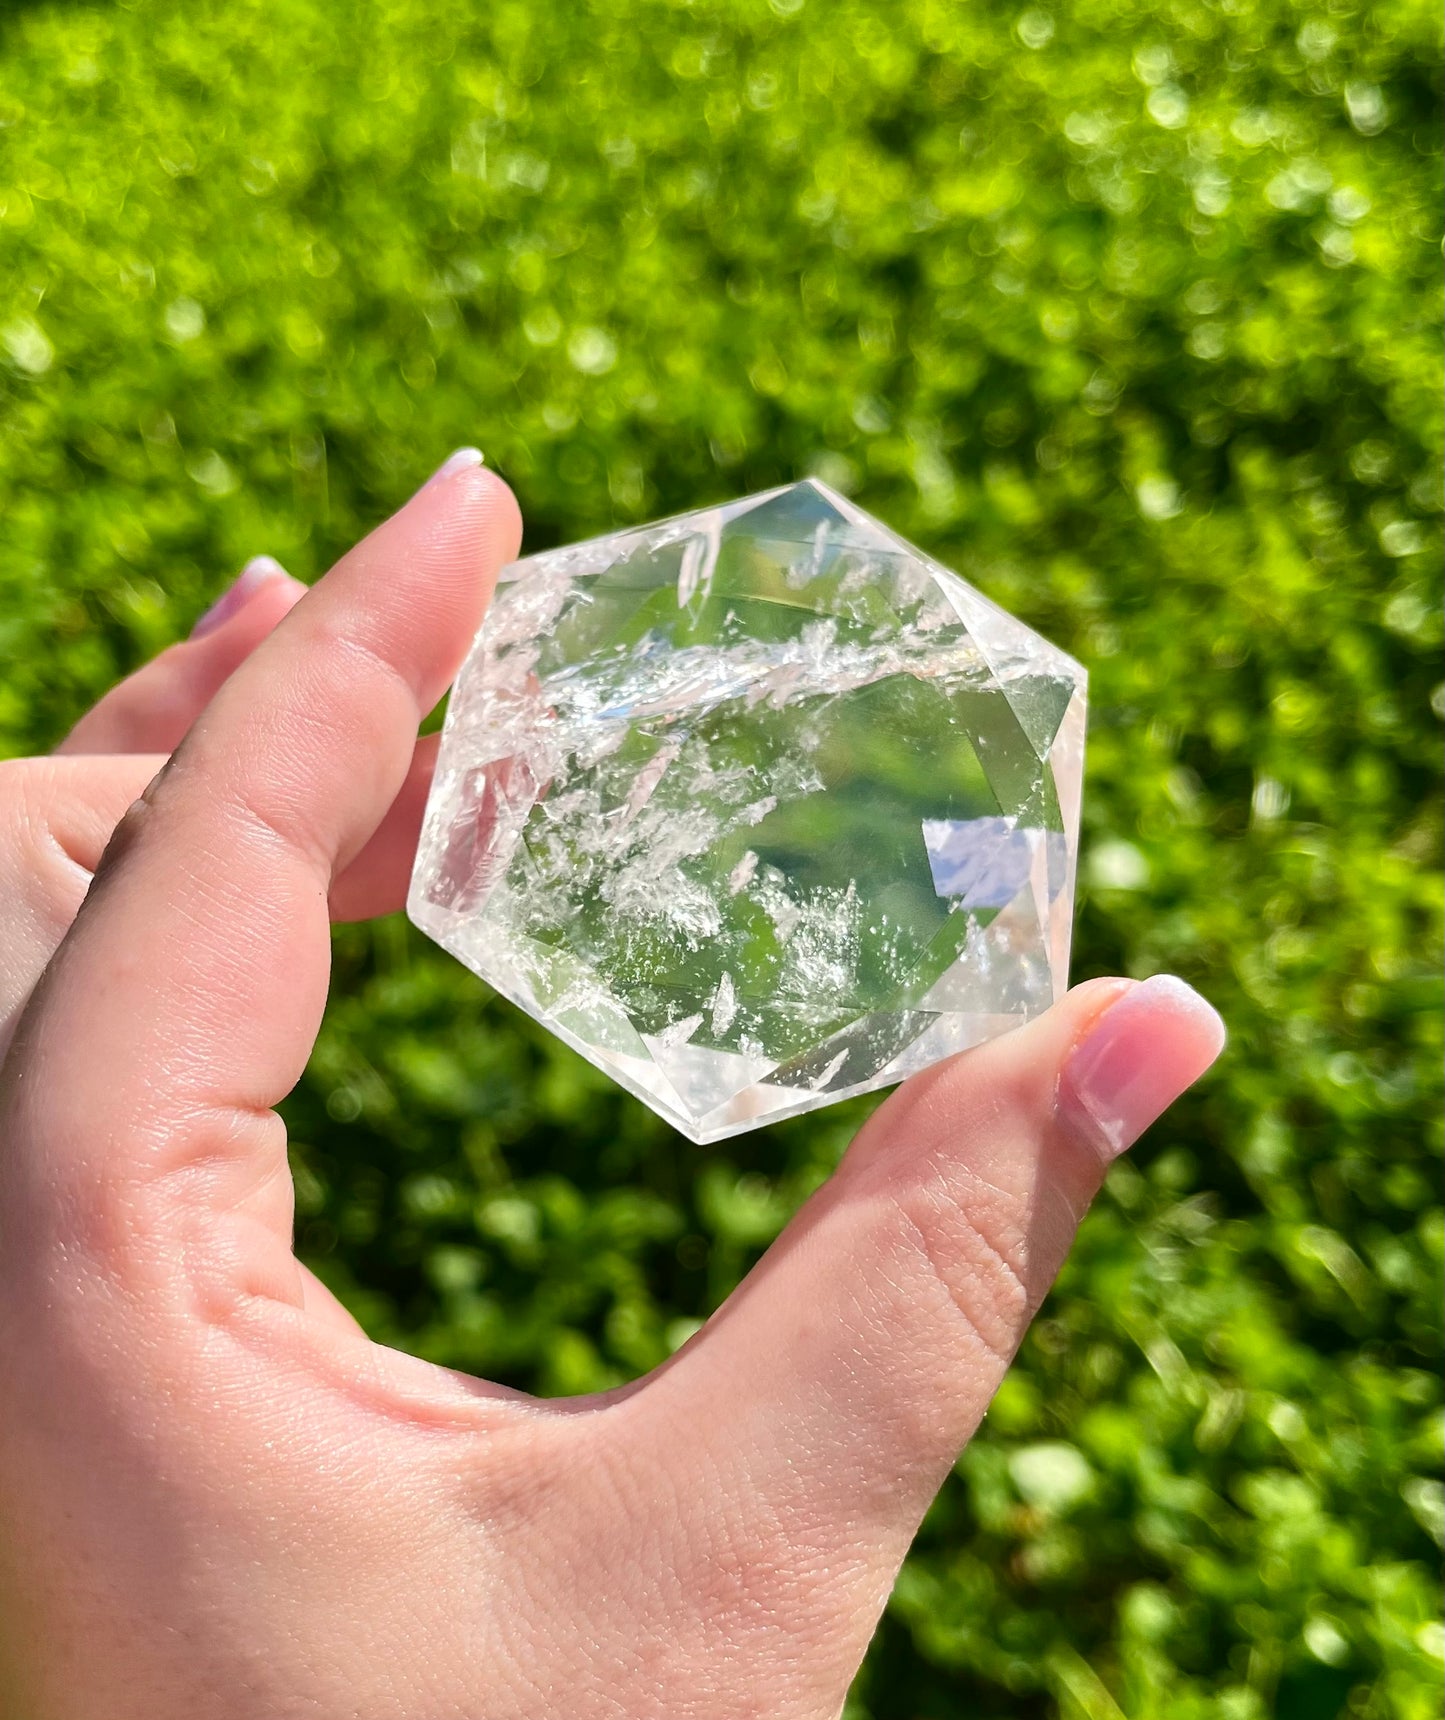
756 807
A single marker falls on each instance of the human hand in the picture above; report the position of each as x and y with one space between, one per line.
217 1497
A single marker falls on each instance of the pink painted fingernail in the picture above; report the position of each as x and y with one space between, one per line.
458 462
257 572
1139 1056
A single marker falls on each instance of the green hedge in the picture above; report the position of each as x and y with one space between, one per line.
1129 312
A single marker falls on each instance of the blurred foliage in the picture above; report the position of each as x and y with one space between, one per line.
1129 312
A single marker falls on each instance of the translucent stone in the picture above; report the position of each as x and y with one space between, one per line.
756 808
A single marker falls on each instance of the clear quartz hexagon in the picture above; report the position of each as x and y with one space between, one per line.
756 808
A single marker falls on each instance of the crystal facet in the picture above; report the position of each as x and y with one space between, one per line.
756 807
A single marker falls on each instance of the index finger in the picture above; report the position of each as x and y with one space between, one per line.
184 1001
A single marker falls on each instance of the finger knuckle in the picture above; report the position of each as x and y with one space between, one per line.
129 831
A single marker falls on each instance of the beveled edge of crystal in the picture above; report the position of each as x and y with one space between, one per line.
726 512
899 1069
429 920
916 1056
861 517
893 542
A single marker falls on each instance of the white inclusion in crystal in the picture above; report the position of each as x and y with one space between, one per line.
777 904
699 562
742 874
828 1071
648 778
680 1031
902 759
803 572
724 1006
822 945
820 539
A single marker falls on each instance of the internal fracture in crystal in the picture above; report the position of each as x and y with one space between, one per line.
756 807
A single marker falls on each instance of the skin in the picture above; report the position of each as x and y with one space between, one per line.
217 1496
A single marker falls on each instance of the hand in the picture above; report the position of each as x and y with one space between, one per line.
217 1497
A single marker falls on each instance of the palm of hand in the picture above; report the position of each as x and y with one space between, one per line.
217 1496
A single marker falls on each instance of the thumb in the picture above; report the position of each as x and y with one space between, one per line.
837 1386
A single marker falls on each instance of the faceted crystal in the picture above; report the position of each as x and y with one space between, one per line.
756 808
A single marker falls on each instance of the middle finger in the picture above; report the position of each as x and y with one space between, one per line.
151 710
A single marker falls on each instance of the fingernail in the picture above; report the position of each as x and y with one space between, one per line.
256 573
458 462
1139 1056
